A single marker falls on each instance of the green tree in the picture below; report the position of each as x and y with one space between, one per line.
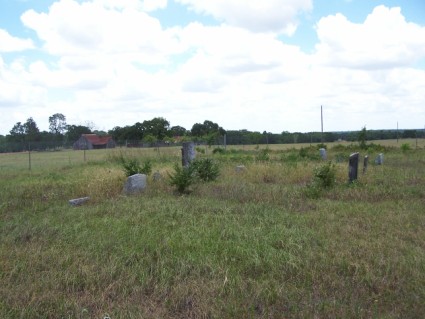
32 133
362 138
57 124
177 131
157 127
74 132
17 133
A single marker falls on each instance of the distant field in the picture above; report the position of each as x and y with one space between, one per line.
266 242
63 158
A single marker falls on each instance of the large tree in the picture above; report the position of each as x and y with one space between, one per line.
32 133
157 127
74 132
207 128
57 124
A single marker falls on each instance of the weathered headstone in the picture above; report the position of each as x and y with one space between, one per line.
240 168
78 201
156 176
323 154
135 184
379 159
188 153
353 167
365 163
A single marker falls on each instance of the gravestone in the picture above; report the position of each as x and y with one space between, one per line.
323 154
135 184
78 201
379 159
353 167
365 163
188 153
240 168
156 176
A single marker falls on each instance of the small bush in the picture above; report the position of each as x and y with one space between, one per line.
324 176
182 178
200 150
219 150
206 169
132 166
321 145
263 155
405 147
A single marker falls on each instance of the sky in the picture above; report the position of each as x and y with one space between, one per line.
264 65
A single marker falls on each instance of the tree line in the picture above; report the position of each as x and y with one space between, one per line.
26 135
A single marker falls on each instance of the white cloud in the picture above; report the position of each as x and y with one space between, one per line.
384 40
9 43
254 15
118 65
146 5
101 30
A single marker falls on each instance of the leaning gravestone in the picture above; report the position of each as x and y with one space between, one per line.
323 153
188 153
353 167
135 184
365 163
380 159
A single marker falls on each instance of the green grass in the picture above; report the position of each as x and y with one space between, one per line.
252 244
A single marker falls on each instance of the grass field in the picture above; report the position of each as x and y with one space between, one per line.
253 244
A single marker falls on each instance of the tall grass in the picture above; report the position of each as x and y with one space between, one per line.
250 244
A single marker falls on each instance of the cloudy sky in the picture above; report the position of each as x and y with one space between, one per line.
261 65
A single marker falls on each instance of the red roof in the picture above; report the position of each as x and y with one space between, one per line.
97 140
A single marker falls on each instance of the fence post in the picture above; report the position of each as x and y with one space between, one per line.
29 155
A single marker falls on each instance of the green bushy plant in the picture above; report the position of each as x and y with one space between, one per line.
182 177
323 178
133 166
405 147
219 150
324 175
263 155
206 169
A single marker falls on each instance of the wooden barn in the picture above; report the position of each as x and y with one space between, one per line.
93 141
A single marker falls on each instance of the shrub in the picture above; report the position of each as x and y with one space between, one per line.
263 155
324 176
321 145
219 150
182 178
200 150
206 169
405 147
132 166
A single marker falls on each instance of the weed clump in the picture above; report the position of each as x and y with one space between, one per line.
132 166
204 170
323 179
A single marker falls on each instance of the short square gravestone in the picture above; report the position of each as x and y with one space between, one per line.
353 167
379 159
135 184
323 154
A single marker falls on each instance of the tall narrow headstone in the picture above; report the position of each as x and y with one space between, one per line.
323 153
353 167
188 153
365 163
380 159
